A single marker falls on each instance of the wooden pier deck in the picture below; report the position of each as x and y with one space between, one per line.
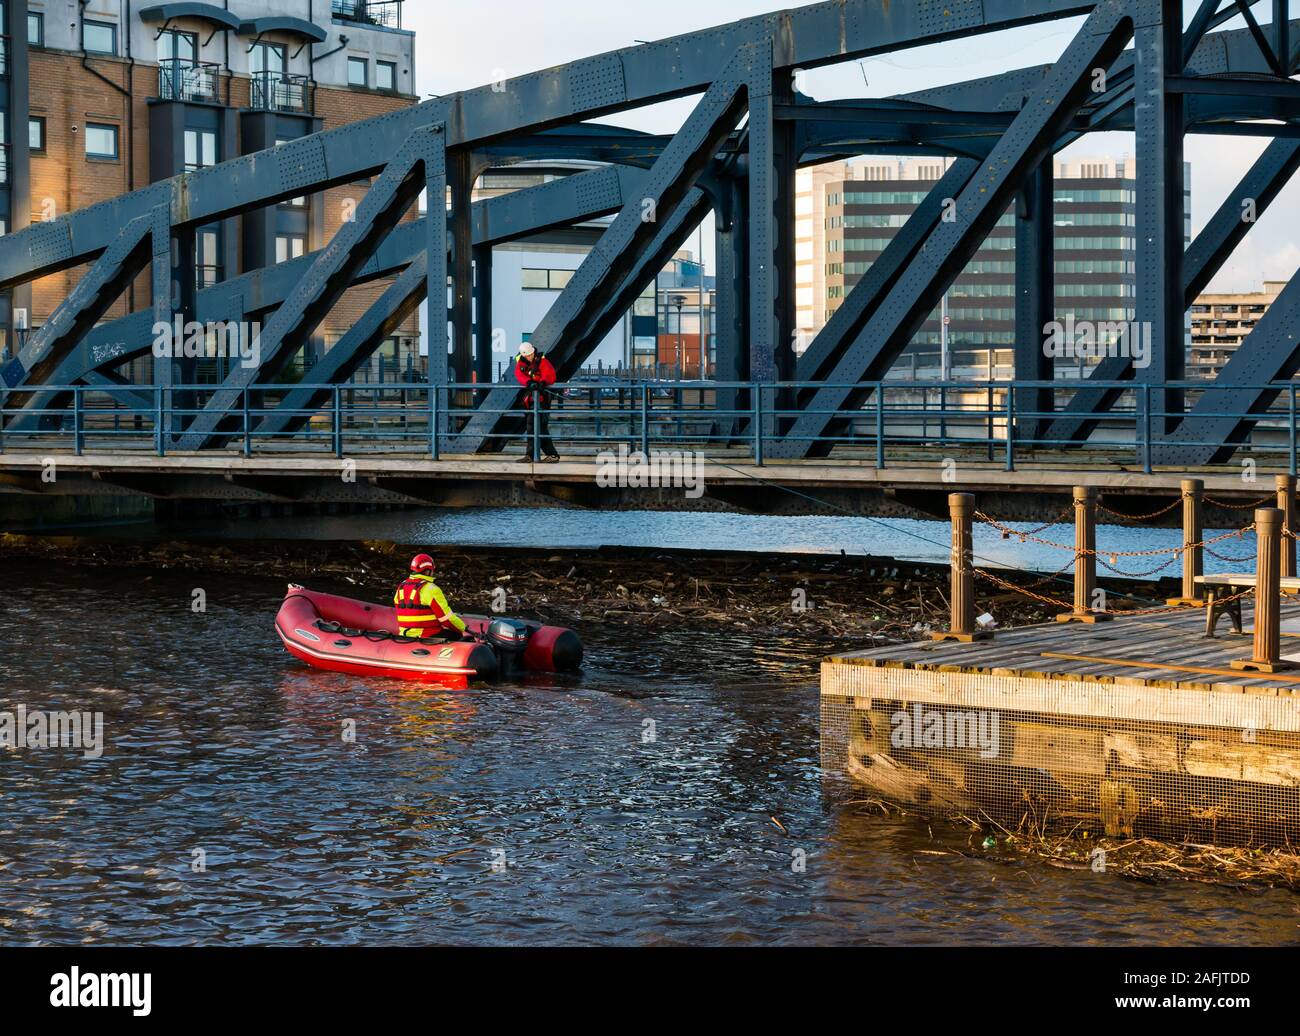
1135 725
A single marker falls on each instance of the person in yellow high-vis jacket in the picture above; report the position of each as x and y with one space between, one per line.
422 608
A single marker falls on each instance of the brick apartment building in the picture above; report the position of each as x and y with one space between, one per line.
101 97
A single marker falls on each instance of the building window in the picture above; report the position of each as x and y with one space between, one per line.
358 72
35 29
289 246
200 149
385 75
174 45
101 140
99 37
546 280
36 134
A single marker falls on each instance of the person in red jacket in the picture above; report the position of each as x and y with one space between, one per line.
536 373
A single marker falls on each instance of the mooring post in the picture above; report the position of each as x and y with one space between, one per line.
1085 558
1193 535
1286 504
1268 611
961 506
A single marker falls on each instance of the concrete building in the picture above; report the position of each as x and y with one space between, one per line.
529 274
1220 323
866 202
664 332
101 97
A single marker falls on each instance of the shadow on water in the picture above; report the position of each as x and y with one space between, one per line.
663 796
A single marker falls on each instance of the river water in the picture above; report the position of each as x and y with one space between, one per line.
902 538
663 796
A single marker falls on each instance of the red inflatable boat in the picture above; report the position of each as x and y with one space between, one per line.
348 636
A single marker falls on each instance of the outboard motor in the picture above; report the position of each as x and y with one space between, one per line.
510 639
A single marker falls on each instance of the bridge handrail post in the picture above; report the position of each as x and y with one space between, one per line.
536 445
245 405
1146 429
1011 426
1286 504
337 421
159 430
1085 558
77 420
758 424
988 421
433 421
645 419
1268 613
961 596
880 425
1193 533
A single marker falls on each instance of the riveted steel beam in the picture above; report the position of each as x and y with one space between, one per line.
807 37
976 210
145 239
419 165
341 361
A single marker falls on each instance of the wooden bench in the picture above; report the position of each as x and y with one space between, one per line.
1227 585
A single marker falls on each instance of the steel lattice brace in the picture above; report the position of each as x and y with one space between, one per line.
736 156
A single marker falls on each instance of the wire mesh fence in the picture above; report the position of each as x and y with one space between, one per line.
1051 756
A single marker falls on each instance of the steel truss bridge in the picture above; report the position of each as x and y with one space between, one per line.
1132 65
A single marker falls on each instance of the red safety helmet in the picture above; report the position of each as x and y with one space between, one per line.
422 563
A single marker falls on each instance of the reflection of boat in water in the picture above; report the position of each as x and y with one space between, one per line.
348 636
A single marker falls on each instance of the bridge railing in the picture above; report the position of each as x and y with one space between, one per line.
894 422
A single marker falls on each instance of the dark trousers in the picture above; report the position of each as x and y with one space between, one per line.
537 431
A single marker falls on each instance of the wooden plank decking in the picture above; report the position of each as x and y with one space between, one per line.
1167 649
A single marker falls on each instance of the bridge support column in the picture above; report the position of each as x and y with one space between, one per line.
731 312
483 329
460 176
772 161
1158 121
1035 299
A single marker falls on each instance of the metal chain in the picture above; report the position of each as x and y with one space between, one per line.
1235 507
1006 530
1141 517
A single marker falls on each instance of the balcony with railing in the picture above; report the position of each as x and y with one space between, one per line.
180 80
384 13
4 57
281 92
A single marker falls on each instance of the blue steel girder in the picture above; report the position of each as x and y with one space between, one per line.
399 300
976 210
1161 210
806 37
419 165
496 220
146 239
566 333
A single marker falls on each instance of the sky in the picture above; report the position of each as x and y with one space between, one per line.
466 43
